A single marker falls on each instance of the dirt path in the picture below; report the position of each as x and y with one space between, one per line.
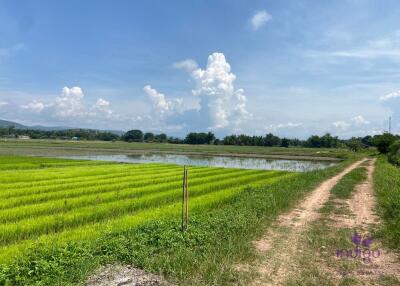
285 234
362 218
362 203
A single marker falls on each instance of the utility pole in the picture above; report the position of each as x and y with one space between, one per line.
390 124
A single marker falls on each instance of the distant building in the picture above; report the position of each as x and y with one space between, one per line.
75 138
23 137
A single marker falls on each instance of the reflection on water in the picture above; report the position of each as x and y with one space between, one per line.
215 161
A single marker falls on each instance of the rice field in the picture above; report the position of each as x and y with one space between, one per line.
57 200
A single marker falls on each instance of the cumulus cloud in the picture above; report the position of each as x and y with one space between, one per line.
259 19
161 105
70 108
340 124
219 100
187 65
34 106
69 103
102 106
220 104
390 96
359 120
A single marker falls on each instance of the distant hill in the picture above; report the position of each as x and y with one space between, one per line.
7 124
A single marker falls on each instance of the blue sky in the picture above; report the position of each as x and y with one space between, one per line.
293 68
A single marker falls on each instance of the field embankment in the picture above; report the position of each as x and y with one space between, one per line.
67 148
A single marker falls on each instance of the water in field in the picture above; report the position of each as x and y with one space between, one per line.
215 161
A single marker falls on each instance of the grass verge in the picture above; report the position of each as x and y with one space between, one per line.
387 189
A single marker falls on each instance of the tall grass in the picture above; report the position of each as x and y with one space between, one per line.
387 188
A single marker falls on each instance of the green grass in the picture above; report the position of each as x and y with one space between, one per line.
387 189
61 219
346 186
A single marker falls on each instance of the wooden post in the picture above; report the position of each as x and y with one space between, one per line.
187 200
183 198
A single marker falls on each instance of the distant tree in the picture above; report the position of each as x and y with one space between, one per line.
382 142
161 137
230 140
355 144
325 141
285 142
367 140
200 138
148 137
133 136
271 140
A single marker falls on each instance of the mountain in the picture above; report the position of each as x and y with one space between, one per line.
7 124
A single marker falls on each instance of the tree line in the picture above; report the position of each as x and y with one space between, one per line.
197 138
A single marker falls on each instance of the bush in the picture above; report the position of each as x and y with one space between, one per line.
383 142
394 153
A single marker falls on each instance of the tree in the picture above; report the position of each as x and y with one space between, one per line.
394 153
271 140
354 144
148 137
285 142
200 138
161 137
133 136
382 142
367 140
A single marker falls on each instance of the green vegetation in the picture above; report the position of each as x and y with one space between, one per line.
387 189
192 138
346 185
383 142
59 222
394 153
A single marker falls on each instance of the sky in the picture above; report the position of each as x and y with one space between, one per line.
293 68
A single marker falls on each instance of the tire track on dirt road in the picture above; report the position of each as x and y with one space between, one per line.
284 235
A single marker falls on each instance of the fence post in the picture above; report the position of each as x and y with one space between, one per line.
183 198
187 199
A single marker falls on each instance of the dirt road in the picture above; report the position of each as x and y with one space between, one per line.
284 245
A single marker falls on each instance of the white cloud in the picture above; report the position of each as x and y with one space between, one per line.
340 124
259 19
102 103
3 103
218 104
102 107
275 127
359 120
219 100
34 106
69 103
161 105
390 96
187 65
